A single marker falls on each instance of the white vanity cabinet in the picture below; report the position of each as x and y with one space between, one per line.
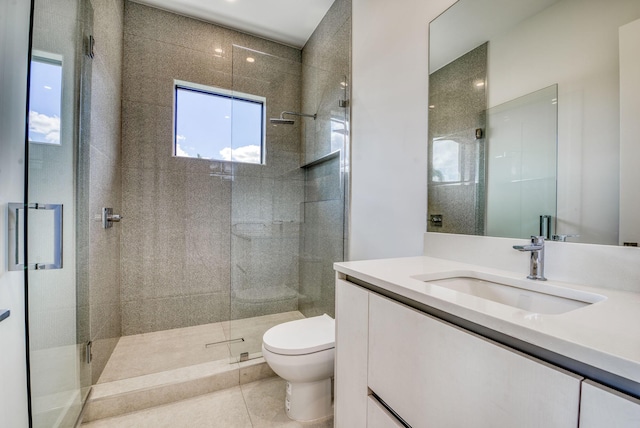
434 374
603 407
352 315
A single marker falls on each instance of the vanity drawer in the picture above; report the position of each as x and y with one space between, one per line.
433 374
379 417
603 407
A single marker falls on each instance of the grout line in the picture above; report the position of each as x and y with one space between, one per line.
245 402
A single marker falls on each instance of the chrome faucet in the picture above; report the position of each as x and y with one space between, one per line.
536 264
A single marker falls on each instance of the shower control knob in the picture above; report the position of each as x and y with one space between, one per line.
108 218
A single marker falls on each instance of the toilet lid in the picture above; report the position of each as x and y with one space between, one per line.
300 337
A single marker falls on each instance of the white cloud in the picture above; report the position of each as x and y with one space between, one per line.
250 154
179 150
45 125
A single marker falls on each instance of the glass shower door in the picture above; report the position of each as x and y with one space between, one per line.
288 213
56 345
266 198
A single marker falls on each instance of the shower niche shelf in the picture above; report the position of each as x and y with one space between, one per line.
322 159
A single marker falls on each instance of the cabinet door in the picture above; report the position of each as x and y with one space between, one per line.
352 314
379 417
433 374
603 407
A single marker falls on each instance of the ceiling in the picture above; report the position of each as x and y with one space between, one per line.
286 21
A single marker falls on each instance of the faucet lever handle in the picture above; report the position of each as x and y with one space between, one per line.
538 239
563 238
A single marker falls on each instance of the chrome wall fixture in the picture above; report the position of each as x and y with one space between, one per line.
108 218
545 226
282 121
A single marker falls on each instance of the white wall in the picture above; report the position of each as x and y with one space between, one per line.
389 132
14 32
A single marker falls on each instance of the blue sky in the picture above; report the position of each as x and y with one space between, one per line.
218 127
45 99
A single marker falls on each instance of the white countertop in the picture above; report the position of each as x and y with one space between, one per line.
605 335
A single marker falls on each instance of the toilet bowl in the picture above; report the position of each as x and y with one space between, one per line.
302 353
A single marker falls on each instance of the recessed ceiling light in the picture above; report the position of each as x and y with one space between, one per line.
250 59
432 106
218 50
479 84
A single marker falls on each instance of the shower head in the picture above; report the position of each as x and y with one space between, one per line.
282 121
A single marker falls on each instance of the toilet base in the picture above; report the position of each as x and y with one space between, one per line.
306 401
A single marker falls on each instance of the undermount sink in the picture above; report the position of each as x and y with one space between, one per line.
531 296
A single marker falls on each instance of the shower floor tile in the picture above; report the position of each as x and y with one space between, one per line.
159 351
254 405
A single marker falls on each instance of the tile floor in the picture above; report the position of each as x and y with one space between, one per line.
159 351
254 405
162 354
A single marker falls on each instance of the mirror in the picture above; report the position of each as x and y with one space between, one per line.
585 49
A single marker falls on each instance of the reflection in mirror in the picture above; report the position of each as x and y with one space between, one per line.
446 166
586 49
457 108
521 183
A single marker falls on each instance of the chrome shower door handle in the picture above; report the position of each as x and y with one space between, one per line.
16 237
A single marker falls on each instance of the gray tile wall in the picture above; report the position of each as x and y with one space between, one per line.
326 72
326 64
459 108
176 252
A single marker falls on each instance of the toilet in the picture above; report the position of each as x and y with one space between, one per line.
302 353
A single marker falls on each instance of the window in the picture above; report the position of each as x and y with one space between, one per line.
217 124
446 161
45 99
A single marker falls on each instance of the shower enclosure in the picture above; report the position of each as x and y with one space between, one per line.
210 252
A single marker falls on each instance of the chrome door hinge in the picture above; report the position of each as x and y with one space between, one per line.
88 354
